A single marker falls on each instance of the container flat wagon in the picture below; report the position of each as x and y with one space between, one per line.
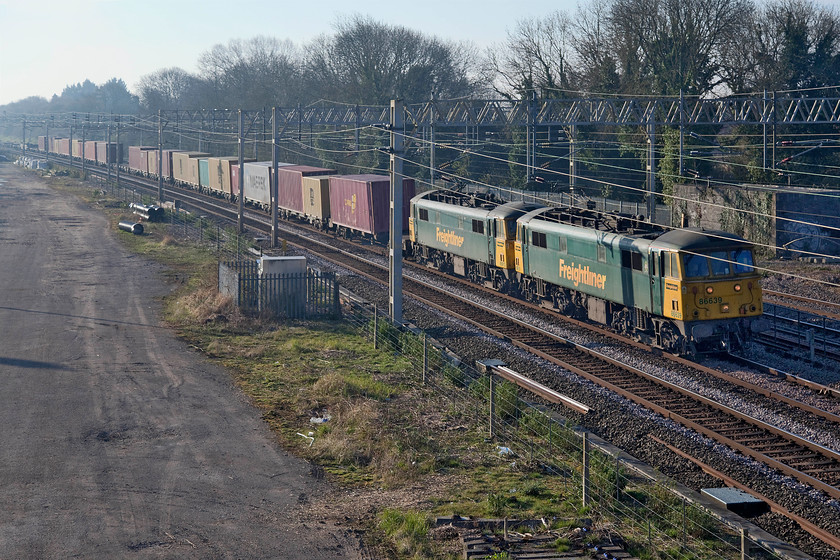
360 204
185 168
138 159
290 186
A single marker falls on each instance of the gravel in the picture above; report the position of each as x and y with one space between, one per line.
628 425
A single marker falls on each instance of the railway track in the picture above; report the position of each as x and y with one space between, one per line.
810 463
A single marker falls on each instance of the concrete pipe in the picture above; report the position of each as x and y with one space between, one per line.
136 229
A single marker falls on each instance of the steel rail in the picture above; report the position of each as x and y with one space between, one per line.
761 457
828 538
813 310
561 342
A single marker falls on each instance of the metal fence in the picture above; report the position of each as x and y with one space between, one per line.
658 521
309 295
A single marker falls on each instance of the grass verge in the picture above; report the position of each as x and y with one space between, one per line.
399 451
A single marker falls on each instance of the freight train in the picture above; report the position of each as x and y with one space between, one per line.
687 291
349 205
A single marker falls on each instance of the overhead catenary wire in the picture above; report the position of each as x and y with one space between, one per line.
499 157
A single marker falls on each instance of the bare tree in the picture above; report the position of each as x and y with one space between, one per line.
596 68
668 46
168 89
370 62
787 44
535 57
259 72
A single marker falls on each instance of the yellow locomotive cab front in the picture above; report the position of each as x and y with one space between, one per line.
719 285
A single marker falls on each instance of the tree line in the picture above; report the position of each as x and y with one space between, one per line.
627 47
605 47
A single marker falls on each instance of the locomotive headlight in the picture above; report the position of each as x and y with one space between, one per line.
725 308
710 290
737 287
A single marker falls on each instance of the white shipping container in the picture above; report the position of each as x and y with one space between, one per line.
257 182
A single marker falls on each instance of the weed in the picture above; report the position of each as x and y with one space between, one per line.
497 504
409 531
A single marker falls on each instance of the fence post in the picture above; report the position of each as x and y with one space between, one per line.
743 544
617 475
336 301
492 404
375 327
425 357
550 424
218 240
585 493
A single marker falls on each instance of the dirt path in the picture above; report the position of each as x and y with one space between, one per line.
115 439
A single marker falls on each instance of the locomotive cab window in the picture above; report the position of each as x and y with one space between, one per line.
538 239
696 266
478 226
670 266
424 215
743 261
720 263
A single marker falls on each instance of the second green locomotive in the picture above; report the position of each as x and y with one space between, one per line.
686 291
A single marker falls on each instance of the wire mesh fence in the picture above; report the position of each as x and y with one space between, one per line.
656 521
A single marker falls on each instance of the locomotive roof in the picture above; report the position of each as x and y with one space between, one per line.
694 239
517 207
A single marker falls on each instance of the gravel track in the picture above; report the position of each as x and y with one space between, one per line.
628 425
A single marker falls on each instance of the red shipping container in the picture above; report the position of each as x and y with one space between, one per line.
362 203
78 149
108 153
167 163
90 150
138 158
289 186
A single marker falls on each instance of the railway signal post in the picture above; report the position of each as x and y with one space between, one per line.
395 242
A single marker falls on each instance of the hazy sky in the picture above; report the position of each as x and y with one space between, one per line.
48 44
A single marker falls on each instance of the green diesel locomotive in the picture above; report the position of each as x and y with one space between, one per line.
687 291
